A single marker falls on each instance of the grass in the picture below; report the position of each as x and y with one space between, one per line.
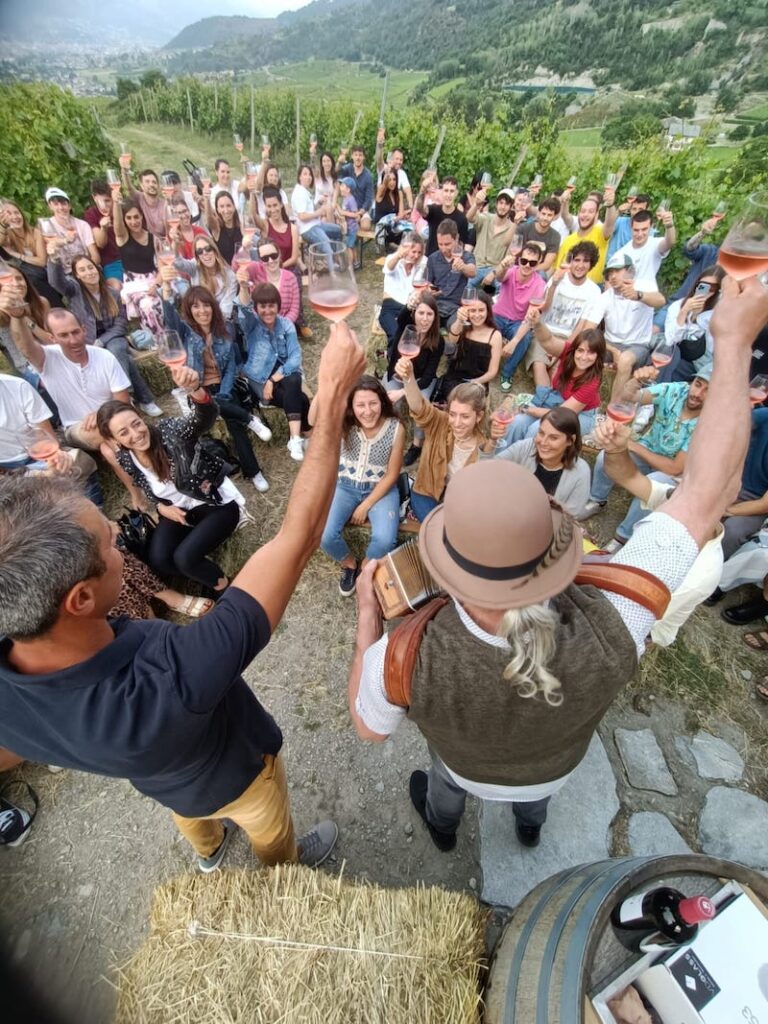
759 113
581 138
339 80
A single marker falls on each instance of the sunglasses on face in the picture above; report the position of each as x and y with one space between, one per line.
526 262
204 248
269 256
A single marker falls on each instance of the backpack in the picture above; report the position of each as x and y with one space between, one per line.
200 472
404 641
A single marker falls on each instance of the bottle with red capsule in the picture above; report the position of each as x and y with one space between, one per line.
663 910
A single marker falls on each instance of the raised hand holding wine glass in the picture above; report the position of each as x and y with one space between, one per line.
332 285
744 251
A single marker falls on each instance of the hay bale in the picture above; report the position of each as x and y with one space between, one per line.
302 947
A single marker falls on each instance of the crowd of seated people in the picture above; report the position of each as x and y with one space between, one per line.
500 288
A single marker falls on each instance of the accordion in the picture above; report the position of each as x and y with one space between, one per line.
402 582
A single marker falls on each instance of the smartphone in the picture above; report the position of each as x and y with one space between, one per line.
703 288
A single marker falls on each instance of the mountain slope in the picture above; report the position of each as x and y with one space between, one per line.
221 29
637 45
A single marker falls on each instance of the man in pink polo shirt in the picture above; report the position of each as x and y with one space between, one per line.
520 283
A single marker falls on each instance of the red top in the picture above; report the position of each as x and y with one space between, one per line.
588 394
110 253
282 239
187 248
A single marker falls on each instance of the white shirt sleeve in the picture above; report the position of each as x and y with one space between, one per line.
662 546
372 705
35 409
118 379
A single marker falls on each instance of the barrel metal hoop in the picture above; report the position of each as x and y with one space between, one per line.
575 958
530 924
610 869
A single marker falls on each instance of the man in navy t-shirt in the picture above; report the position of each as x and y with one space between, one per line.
162 705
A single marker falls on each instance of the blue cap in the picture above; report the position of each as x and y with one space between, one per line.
349 182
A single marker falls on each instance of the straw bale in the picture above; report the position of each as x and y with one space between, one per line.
296 946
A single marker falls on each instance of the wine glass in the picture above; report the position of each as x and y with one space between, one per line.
113 178
313 139
419 281
744 251
265 140
516 245
42 446
719 211
632 193
758 389
469 295
661 356
238 142
168 185
243 256
538 180
486 180
571 183
164 251
6 272
170 348
622 412
458 249
408 345
504 414
332 285
205 177
251 174
663 207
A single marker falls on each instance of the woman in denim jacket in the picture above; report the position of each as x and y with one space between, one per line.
212 354
273 360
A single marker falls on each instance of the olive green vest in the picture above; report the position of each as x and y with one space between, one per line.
479 724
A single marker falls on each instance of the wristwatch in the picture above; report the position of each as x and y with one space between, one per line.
639 296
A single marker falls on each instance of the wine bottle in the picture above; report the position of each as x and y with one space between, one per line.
663 910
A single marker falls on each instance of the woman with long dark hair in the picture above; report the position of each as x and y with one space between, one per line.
37 308
223 223
136 246
388 210
478 344
326 183
211 353
276 227
195 514
22 241
575 379
552 455
102 316
369 466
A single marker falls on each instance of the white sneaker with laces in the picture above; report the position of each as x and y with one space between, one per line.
295 448
151 408
260 482
260 428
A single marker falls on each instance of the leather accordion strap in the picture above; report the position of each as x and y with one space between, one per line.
403 649
627 581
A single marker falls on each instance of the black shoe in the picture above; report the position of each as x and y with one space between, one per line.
347 580
412 455
444 841
529 835
716 595
741 614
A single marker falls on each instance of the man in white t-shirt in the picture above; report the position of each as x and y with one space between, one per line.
76 236
645 251
78 377
572 300
627 307
21 409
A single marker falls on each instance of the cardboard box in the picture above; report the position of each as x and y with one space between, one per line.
719 978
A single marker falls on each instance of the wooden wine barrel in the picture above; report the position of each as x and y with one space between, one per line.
559 937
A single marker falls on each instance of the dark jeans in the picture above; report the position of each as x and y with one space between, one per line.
446 800
121 351
390 311
237 419
288 396
180 550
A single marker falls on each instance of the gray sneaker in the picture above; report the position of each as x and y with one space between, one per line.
318 843
209 864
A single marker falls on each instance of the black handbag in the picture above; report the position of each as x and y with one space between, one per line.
694 344
136 529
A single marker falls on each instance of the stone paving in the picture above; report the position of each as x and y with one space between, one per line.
632 794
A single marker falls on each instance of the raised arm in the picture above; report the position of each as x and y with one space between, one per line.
271 574
670 234
611 211
12 304
716 456
121 231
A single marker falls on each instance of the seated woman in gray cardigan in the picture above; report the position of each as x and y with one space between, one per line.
103 318
552 456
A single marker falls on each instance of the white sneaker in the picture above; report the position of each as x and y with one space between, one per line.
246 519
151 408
295 448
260 482
181 397
260 428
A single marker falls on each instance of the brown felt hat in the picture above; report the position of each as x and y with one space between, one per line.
496 541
